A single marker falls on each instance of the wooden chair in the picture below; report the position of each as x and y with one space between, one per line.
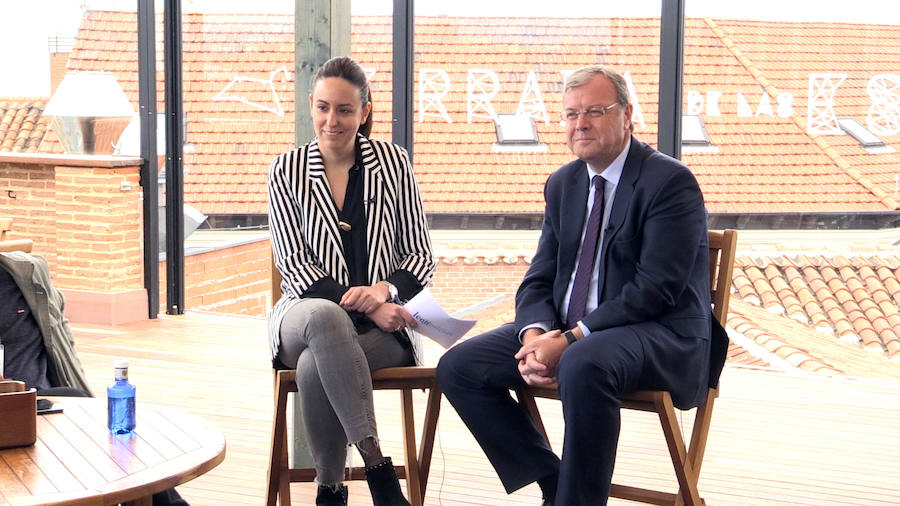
5 225
416 465
686 462
7 244
16 245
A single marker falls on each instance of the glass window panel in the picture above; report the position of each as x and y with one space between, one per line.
239 80
771 82
802 100
475 61
371 44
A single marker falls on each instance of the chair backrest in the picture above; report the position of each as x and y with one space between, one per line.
5 225
276 282
16 245
722 246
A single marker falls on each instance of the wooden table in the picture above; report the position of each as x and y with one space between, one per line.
77 461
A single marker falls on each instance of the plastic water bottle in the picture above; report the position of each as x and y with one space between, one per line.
120 401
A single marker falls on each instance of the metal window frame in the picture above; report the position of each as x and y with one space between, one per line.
404 61
174 159
149 169
668 137
671 74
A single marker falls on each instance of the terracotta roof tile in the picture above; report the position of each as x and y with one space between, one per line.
861 59
766 293
777 349
785 294
766 163
860 312
743 286
791 344
842 325
807 299
738 355
22 124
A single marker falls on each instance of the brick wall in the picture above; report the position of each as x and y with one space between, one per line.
84 215
28 197
462 284
98 229
236 280
231 280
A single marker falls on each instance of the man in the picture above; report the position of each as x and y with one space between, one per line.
616 300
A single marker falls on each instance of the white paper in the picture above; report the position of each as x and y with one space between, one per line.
434 322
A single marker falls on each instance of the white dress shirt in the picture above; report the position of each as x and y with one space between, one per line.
611 175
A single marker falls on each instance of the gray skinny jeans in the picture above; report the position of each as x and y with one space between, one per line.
334 378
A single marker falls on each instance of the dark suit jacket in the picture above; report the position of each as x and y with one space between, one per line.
654 259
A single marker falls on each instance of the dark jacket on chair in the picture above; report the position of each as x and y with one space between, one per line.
32 275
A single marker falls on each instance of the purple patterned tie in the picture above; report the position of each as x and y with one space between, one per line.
578 299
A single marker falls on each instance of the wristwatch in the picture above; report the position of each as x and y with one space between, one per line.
570 337
394 296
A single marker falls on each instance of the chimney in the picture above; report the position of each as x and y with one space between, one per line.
60 46
89 111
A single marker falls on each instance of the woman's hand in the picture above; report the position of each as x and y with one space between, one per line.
365 299
391 318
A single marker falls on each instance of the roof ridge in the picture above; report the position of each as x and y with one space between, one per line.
759 341
826 149
794 256
854 173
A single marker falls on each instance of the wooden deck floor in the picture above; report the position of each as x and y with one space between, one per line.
776 439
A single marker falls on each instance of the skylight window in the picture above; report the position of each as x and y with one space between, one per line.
517 132
694 137
866 139
693 131
516 129
862 134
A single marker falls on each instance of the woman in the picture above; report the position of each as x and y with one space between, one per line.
350 240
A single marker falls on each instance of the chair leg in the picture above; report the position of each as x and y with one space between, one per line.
699 435
429 427
284 480
413 486
279 479
687 478
530 404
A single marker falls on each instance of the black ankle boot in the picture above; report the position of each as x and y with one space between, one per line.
327 496
384 485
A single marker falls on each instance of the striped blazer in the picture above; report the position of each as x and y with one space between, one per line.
303 221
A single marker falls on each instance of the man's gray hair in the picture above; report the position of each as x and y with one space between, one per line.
583 75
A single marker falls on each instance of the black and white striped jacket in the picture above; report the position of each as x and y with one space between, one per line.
303 222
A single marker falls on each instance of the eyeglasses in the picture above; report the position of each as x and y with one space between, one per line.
593 112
